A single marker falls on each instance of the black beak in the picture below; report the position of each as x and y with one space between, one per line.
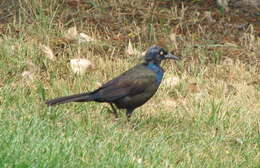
170 56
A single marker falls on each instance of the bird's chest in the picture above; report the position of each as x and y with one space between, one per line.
157 70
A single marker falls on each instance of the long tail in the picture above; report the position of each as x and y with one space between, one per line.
83 97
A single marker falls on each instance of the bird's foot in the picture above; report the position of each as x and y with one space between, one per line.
129 114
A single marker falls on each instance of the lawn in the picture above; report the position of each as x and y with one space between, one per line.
206 113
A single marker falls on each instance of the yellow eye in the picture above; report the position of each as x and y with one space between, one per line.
161 53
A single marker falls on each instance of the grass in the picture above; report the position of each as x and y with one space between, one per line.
210 118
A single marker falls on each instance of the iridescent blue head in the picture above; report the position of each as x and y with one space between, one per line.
156 54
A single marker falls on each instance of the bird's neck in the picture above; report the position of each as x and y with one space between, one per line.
157 70
154 62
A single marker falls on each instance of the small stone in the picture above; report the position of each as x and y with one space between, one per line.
223 4
71 33
208 16
80 65
239 141
83 38
48 52
27 77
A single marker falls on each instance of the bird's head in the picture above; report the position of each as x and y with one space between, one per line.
156 54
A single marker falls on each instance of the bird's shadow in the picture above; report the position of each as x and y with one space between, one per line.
139 122
151 123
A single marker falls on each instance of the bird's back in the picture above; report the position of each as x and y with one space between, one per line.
131 89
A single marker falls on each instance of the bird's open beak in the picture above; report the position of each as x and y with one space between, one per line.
170 56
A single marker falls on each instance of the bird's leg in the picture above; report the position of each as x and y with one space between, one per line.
114 110
128 114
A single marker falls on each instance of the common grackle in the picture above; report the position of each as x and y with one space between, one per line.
129 90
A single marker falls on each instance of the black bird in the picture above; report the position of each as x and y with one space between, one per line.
129 90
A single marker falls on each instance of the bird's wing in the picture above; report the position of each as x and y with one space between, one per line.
128 84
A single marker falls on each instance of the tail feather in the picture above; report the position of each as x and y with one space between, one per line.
83 97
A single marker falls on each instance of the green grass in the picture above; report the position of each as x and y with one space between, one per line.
209 119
